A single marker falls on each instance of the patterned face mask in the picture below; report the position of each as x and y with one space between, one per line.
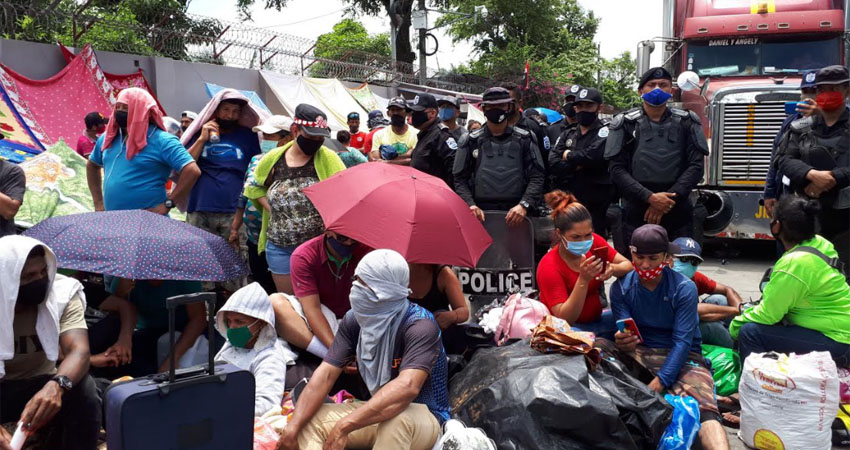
650 274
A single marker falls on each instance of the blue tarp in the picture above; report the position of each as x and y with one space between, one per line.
213 89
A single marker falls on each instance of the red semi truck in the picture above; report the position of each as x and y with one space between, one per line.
749 56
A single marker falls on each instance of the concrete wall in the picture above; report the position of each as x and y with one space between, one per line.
178 85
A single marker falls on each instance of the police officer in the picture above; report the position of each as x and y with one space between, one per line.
815 156
578 160
498 166
449 112
556 130
435 146
518 120
655 156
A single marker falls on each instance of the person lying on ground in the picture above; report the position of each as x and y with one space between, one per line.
247 322
663 305
145 352
137 155
722 303
570 276
805 306
42 323
399 355
322 271
437 289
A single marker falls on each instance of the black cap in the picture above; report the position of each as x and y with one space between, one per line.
531 112
655 73
832 75
449 100
398 102
94 119
589 95
572 91
353 116
495 96
650 239
312 120
422 102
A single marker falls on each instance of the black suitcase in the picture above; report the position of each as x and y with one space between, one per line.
205 407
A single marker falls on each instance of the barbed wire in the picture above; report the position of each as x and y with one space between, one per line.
197 38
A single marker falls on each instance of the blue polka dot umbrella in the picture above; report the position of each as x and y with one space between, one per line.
140 245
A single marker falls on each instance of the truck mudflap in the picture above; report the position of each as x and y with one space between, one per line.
734 214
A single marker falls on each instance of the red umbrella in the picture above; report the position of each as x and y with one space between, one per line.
403 209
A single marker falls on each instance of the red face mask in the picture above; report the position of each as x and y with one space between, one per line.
100 129
830 101
650 274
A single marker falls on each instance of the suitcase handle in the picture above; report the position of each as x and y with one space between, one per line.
172 303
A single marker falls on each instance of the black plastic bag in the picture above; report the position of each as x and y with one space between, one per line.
524 399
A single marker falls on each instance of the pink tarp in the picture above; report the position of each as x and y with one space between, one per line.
54 108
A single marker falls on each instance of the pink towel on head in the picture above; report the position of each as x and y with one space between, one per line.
142 111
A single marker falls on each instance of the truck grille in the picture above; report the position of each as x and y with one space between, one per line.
747 139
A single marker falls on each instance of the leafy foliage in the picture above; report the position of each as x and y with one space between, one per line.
349 41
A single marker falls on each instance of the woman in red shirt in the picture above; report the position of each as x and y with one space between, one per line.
569 276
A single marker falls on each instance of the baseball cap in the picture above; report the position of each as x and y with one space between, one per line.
655 73
589 95
353 116
572 91
688 247
171 125
449 100
649 239
311 120
808 80
274 124
94 119
398 102
495 96
832 75
422 102
189 115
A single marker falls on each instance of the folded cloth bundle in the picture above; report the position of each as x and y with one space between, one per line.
554 335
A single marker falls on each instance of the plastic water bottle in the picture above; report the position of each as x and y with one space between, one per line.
214 137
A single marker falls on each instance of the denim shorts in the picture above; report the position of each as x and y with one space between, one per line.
278 258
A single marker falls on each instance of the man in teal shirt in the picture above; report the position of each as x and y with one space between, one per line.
806 305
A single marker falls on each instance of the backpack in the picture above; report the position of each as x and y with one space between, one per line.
519 316
831 262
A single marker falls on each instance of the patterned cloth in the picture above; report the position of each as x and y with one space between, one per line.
694 379
253 217
352 157
294 220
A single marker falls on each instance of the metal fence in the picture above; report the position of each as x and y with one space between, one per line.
196 38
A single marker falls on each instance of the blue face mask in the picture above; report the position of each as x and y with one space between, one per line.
685 268
656 97
578 248
446 114
267 146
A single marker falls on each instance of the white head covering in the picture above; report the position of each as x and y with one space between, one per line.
252 115
379 309
14 251
172 125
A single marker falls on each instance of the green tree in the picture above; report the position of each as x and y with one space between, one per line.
619 81
349 41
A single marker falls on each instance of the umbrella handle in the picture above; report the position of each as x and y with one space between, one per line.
172 303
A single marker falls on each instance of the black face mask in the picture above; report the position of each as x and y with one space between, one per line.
33 293
308 146
496 115
586 118
397 120
227 124
418 118
353 130
776 234
569 110
121 118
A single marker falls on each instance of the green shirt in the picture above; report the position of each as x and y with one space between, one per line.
805 291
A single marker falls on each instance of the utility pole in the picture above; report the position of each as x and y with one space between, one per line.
393 32
423 32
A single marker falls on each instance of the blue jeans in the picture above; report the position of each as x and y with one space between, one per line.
605 327
716 333
758 338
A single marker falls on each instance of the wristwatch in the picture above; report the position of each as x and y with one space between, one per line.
169 203
64 382
524 204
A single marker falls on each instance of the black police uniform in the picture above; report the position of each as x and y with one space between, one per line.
540 135
646 157
585 171
435 151
499 172
811 144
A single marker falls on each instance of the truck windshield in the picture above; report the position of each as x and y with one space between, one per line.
756 56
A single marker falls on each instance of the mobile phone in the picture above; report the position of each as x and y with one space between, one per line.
790 108
629 325
601 253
